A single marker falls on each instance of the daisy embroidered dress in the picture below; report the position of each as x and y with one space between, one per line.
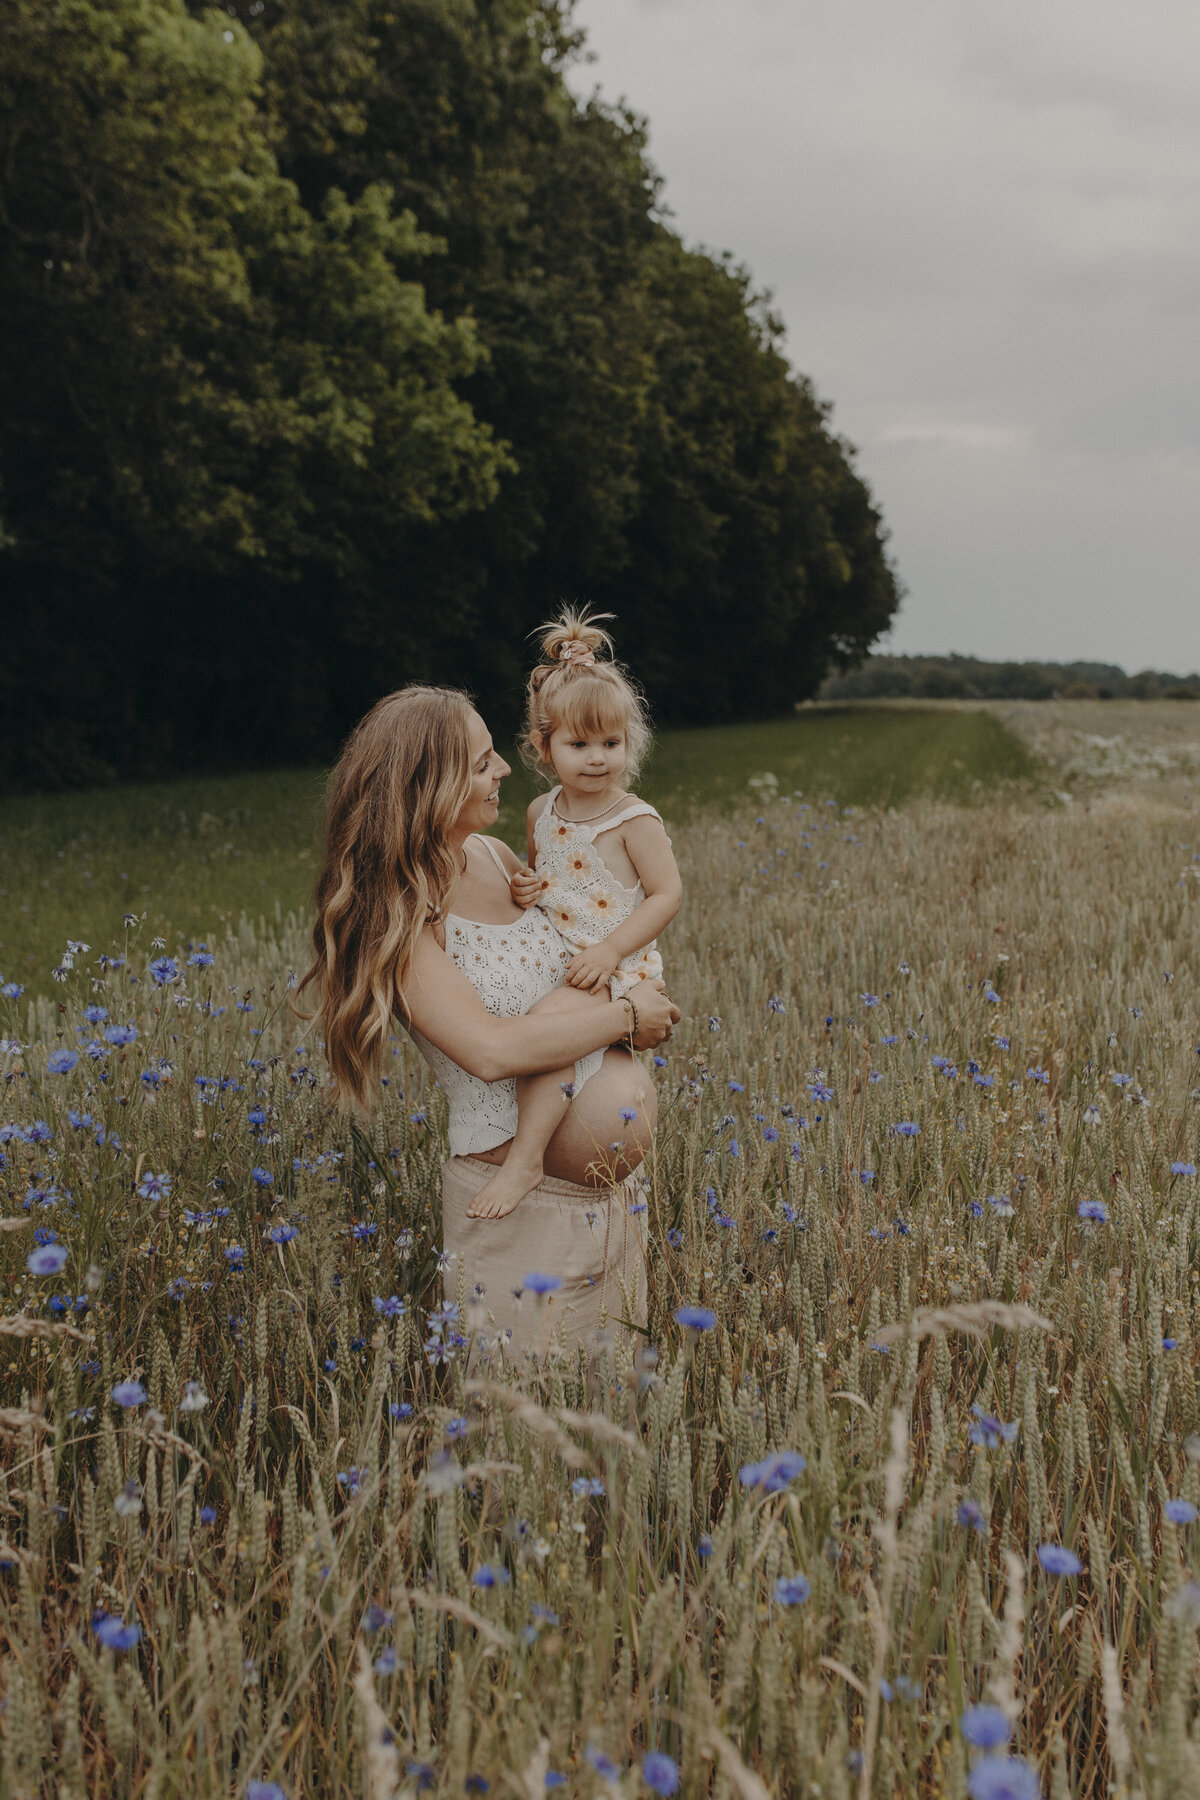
581 896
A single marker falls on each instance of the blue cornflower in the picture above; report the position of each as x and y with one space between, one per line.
61 1062
792 1590
660 1773
130 1393
1002 1204
360 1233
256 1116
989 993
903 1688
629 1114
906 1128
114 1633
262 1177
47 1259
775 1004
1183 1168
12 990
695 1318
735 1149
79 1121
201 958
120 1034
770 1135
1056 1559
457 1428
542 1284
891 1038
95 1015
282 1234
391 1308
989 1432
555 1779
970 1513
985 1727
1001 1042
264 1790
820 1090
163 969
490 1575
587 1487
604 1766
1004 1778
235 1256
737 1087
154 1187
400 1409
1122 1081
1180 1512
385 1662
1042 1075
1094 1211
351 1479
674 1237
375 1618
869 999
774 1473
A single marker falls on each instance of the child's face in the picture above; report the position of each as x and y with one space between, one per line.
587 764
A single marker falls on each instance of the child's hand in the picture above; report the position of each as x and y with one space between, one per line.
524 887
593 968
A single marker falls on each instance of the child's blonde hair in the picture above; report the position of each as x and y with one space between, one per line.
575 690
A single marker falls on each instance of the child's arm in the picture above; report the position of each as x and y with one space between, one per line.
524 885
649 850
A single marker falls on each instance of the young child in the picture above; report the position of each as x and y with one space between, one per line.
600 861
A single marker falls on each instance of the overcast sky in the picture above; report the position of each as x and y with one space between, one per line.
981 223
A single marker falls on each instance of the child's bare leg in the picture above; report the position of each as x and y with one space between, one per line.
540 1103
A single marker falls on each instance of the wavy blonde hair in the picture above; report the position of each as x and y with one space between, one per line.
399 785
582 697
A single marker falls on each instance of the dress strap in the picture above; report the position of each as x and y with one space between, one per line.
489 845
639 810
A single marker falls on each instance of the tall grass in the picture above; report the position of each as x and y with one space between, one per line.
358 1567
191 854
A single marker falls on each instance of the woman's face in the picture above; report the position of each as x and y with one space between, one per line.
488 770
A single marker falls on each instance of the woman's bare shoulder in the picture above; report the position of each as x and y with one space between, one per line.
497 845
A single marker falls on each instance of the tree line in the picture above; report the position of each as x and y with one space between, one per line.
969 678
342 341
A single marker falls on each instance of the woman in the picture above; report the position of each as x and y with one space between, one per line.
415 918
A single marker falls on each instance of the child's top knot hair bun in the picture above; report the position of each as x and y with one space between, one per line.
571 642
578 684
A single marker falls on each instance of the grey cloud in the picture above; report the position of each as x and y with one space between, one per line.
981 224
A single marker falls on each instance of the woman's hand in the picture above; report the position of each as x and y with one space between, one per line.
657 1014
524 886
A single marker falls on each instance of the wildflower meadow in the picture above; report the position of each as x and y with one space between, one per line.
899 1496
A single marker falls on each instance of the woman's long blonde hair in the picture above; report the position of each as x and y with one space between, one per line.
578 686
399 785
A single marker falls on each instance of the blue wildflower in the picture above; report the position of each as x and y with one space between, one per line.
490 1575
61 1062
282 1234
985 1727
660 1773
262 1177
154 1187
1094 1211
48 1259
587 1487
971 1514
1183 1168
1056 1559
604 1765
906 1128
163 969
114 1633
1180 1512
792 1590
1004 1778
989 1432
130 1393
391 1308
120 1034
695 1318
774 1473
542 1284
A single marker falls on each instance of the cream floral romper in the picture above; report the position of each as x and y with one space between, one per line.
581 896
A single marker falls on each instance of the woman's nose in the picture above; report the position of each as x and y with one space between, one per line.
504 769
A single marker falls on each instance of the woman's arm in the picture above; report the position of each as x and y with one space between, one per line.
649 850
446 1009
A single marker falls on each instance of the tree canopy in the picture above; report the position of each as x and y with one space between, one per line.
342 342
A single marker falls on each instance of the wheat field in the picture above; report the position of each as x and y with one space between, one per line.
898 1497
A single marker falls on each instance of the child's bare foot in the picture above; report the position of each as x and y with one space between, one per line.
507 1188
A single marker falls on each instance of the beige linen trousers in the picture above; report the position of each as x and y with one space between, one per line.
593 1239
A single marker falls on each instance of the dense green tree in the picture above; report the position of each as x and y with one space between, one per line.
342 343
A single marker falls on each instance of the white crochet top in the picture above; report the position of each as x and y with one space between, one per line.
511 967
579 893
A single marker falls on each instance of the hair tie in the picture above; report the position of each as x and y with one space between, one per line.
575 652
